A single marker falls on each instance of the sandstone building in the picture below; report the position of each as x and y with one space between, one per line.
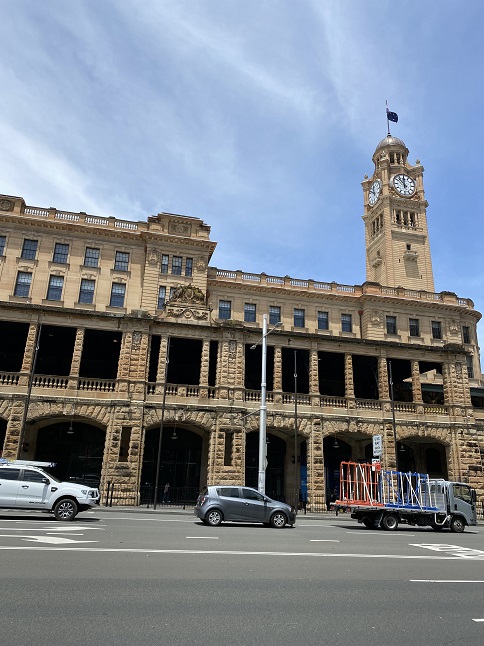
113 328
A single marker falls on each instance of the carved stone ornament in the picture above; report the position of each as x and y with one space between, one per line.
453 327
375 318
136 343
6 205
187 294
153 256
179 229
187 313
200 263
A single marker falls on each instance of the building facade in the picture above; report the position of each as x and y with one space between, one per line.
124 350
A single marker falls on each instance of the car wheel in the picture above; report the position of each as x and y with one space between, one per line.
389 522
214 517
457 525
278 520
65 509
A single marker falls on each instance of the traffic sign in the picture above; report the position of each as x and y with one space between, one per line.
377 445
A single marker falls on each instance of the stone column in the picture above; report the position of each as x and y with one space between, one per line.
416 385
277 380
76 359
28 358
383 387
162 367
204 368
314 377
316 498
349 382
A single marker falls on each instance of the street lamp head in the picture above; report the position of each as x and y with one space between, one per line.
253 347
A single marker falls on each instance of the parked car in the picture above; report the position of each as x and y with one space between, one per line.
218 503
24 484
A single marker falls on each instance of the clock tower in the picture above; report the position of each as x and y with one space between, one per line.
396 233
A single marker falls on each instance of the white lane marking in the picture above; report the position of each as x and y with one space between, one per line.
234 553
73 528
323 540
156 520
444 581
315 525
55 540
208 538
478 620
369 533
458 550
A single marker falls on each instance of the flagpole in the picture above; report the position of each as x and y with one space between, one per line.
388 121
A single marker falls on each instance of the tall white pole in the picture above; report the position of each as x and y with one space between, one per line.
263 411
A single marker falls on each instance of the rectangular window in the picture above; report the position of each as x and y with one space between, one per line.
91 257
189 267
54 291
86 293
29 249
22 285
172 291
161 297
346 323
2 244
224 310
61 253
299 318
228 449
164 263
249 312
391 324
121 261
118 291
436 330
466 334
176 265
323 321
414 327
274 314
470 366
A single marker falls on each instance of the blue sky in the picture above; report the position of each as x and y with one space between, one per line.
250 115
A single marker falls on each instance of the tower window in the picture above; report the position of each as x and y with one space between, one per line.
409 246
391 323
323 322
176 266
436 330
274 314
161 297
249 312
164 264
29 249
188 266
224 310
414 327
466 334
299 318
470 366
346 323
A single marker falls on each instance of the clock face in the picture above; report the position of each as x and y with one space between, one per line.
404 184
374 192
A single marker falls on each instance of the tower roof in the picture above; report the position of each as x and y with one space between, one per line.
391 142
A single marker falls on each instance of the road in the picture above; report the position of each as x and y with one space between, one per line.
138 579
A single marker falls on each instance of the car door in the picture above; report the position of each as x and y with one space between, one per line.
254 507
230 502
9 483
33 489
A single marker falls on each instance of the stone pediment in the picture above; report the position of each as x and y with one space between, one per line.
187 301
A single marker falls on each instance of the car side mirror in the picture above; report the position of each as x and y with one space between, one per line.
46 480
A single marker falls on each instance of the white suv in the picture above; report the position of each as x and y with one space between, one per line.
25 485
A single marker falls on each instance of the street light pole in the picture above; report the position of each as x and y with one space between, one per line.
295 428
158 458
261 479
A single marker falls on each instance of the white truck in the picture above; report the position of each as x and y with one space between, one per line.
379 498
24 484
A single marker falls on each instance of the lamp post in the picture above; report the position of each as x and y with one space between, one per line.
295 427
261 479
158 458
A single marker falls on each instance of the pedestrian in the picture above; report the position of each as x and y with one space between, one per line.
166 493
333 498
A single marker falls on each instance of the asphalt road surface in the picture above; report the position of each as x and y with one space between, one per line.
117 578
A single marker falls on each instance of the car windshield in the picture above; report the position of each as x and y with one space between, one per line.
49 475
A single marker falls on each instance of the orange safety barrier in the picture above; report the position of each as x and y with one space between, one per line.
360 484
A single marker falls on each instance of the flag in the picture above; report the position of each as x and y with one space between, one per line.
392 116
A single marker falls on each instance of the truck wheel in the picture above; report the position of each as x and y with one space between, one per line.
457 525
389 522
65 509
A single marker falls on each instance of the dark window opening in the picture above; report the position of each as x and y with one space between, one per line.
331 370
212 367
253 368
185 361
402 379
56 347
365 377
100 354
228 449
154 357
295 362
13 348
124 444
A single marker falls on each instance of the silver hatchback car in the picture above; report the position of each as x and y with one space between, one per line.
242 504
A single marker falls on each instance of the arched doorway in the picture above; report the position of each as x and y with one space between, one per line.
436 462
180 460
77 450
276 456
